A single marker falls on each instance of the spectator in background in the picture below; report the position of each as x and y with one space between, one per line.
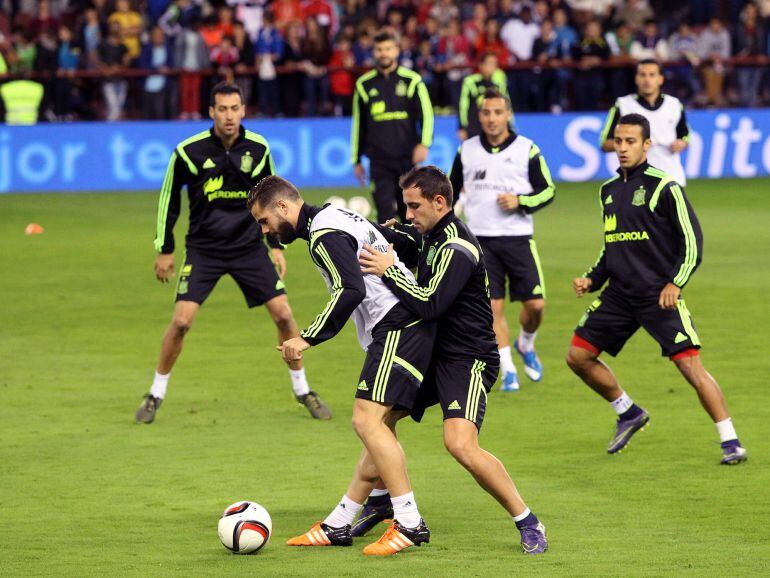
44 20
286 12
490 42
91 37
634 13
549 86
621 42
649 44
191 55
112 56
23 52
589 54
156 55
407 53
750 41
290 83
444 11
566 37
316 53
519 35
68 59
225 21
412 32
684 48
713 49
341 80
269 53
46 61
246 61
541 12
425 65
473 29
362 50
453 51
211 32
179 14
224 57
324 13
130 22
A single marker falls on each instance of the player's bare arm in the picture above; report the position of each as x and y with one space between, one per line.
419 154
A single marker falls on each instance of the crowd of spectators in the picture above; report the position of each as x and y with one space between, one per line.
296 58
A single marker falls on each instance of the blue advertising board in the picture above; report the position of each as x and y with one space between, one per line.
315 152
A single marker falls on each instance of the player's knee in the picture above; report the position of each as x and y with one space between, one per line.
536 306
461 451
576 361
283 318
181 324
362 424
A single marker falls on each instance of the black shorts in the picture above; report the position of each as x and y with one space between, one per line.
460 386
515 258
254 273
387 194
611 320
396 362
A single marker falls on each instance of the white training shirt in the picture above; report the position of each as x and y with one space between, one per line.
663 123
379 299
486 175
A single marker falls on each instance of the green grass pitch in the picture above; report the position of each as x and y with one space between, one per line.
85 491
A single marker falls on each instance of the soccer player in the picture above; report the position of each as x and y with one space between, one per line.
474 86
219 166
652 246
452 290
398 347
668 125
392 125
504 180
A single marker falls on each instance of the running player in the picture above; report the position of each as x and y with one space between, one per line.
652 246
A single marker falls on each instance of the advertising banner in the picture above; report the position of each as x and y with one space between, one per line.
130 156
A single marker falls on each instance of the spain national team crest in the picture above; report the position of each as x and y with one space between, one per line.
639 197
431 255
247 162
401 88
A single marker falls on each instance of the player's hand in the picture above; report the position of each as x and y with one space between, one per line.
164 267
291 349
360 173
669 296
462 134
390 223
581 285
678 145
419 154
280 261
508 202
375 263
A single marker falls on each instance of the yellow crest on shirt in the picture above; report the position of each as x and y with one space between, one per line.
639 197
247 162
401 88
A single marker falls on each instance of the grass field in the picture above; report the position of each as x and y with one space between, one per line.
85 491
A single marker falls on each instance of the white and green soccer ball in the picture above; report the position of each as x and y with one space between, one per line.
360 205
336 201
245 527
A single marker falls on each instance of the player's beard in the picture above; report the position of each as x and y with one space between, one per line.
285 232
384 63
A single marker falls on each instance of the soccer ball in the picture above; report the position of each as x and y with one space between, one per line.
360 205
245 527
336 201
